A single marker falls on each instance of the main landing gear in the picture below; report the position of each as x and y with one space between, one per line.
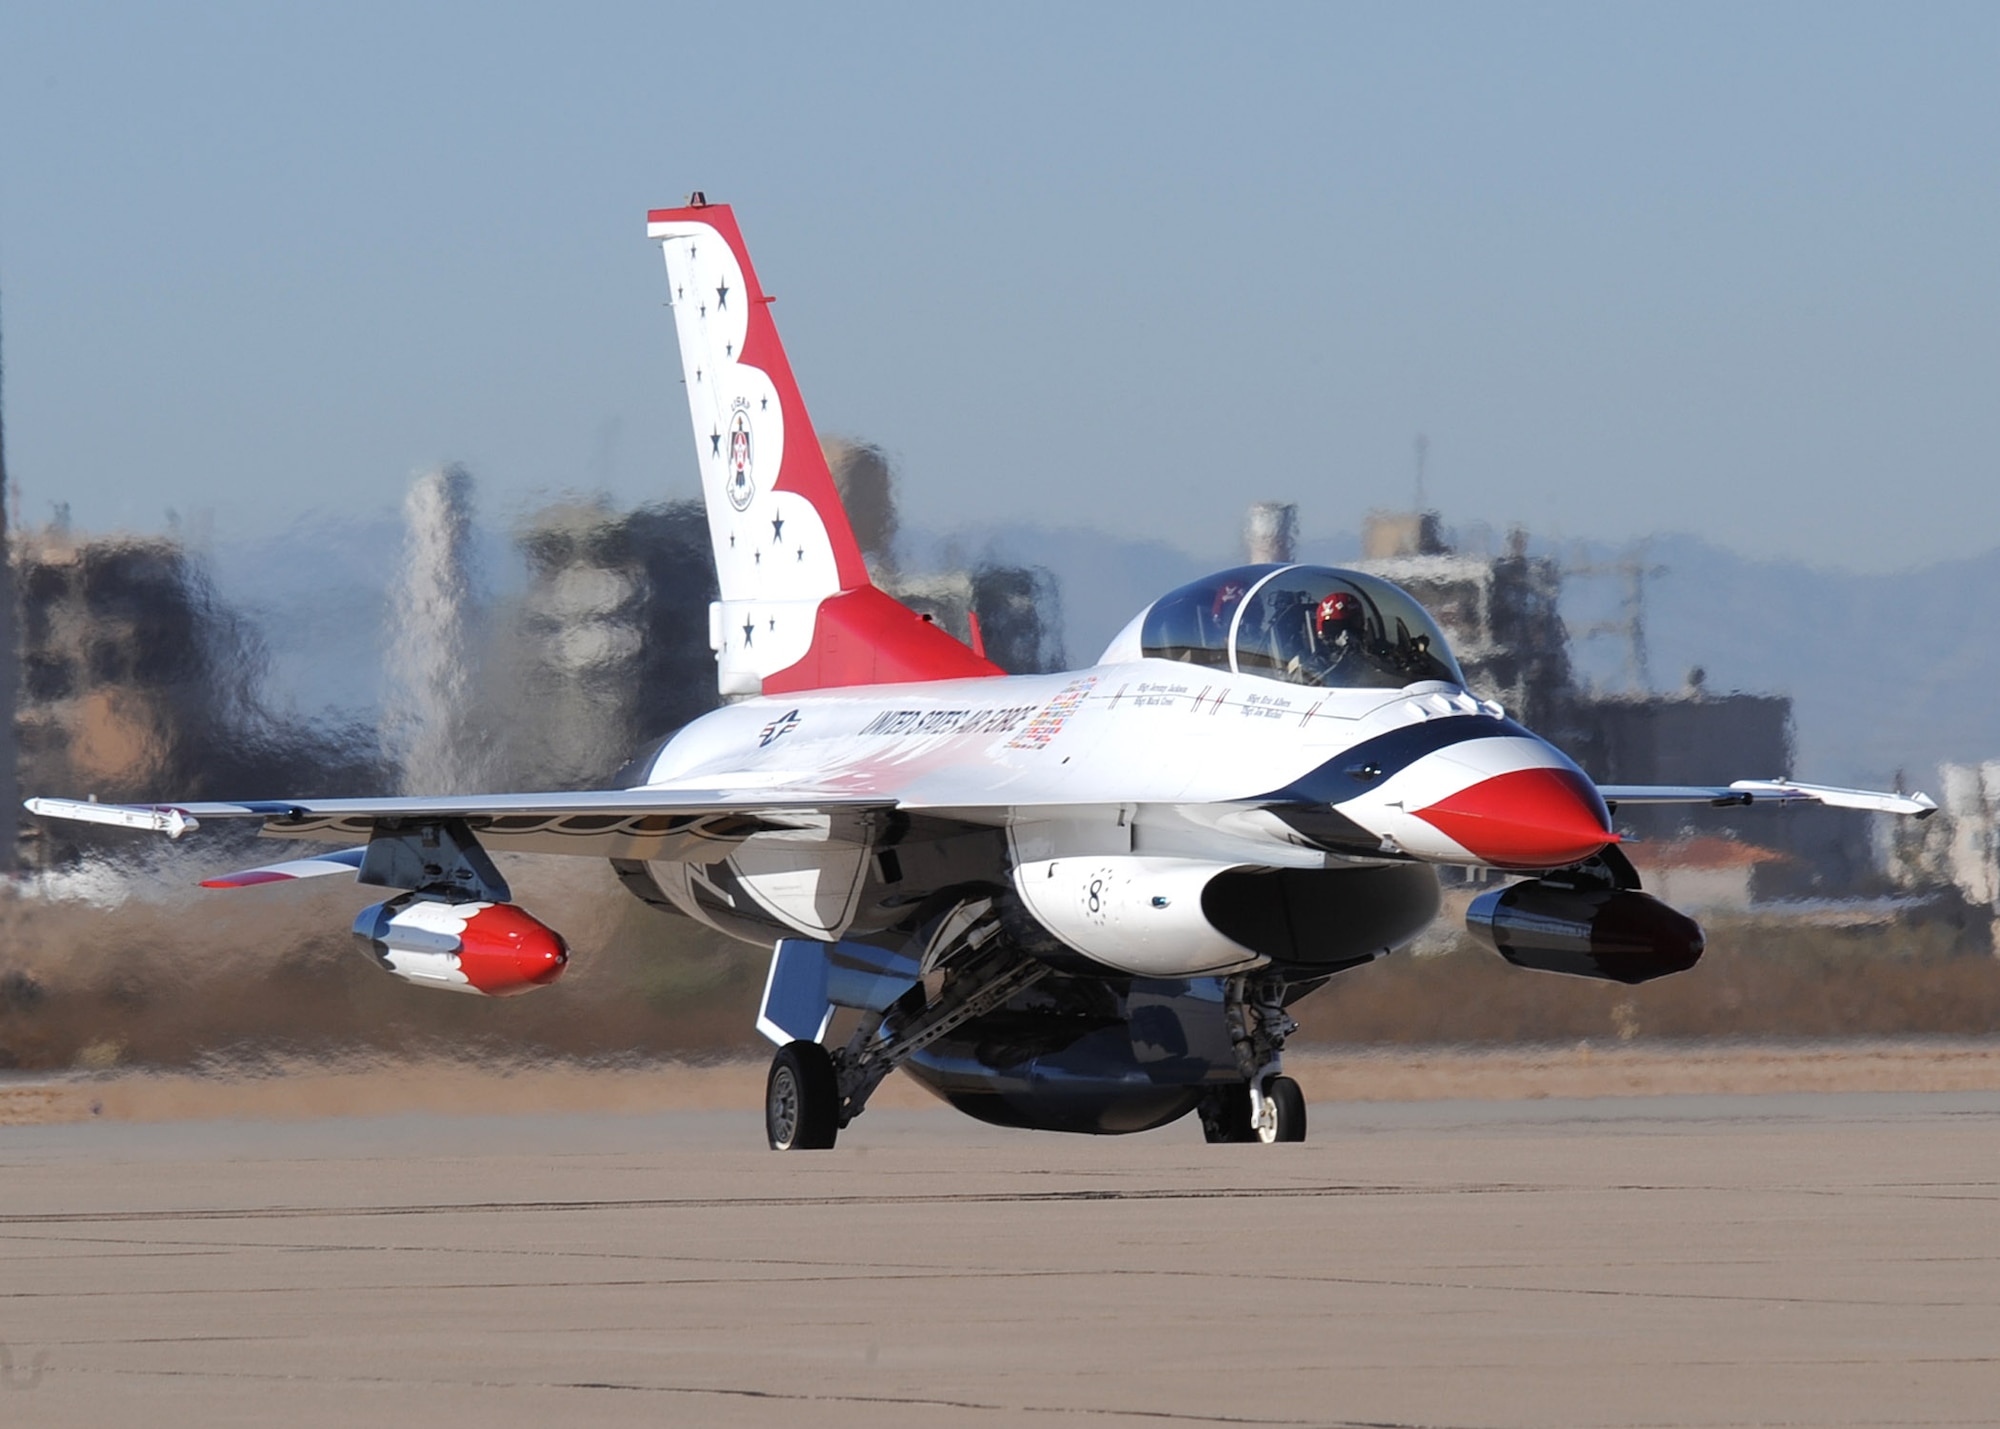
812 1093
802 1099
1265 1106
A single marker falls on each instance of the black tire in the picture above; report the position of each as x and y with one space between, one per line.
1225 1115
801 1099
1283 1096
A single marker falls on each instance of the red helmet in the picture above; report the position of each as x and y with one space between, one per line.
1335 610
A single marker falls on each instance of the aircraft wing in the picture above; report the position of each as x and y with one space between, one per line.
593 822
613 823
1769 791
680 823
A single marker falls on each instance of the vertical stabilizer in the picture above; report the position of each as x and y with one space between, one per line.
797 610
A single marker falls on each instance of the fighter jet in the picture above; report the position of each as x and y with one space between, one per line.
1078 902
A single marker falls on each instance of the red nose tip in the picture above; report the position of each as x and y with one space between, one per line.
1530 818
504 951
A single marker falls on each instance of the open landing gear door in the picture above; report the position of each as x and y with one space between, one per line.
809 980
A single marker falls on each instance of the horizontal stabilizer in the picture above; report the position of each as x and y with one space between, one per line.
347 860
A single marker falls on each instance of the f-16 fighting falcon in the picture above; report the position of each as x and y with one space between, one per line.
1077 902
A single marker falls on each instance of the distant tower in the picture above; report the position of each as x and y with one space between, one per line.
867 487
430 646
1271 532
10 667
1632 572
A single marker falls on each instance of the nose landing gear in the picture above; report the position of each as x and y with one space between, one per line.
1237 1113
1280 1113
1265 1106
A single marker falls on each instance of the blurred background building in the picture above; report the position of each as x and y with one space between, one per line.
1017 608
10 668
135 684
608 643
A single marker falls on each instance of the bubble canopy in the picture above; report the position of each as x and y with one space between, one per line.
1306 625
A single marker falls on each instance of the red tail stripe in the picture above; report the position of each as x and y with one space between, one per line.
864 637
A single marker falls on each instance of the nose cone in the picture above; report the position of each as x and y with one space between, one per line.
1525 818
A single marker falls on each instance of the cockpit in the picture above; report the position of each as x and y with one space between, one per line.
1306 625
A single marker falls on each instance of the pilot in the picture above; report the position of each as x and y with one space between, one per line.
1339 623
1213 633
1308 635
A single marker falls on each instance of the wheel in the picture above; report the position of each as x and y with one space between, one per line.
802 1099
1284 1117
1225 1114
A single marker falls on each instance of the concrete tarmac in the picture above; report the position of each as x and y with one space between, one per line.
1661 1261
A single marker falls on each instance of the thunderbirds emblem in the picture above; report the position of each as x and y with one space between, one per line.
742 486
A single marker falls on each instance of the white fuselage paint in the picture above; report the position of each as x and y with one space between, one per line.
1156 745
1123 790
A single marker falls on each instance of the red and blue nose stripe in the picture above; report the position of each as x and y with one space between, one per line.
1462 789
1537 817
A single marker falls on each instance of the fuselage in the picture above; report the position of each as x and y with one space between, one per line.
1427 772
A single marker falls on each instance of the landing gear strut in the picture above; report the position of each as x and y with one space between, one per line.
1265 1106
812 1093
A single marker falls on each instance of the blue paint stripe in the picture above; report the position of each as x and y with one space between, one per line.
1339 779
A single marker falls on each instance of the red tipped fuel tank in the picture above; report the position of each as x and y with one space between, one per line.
494 949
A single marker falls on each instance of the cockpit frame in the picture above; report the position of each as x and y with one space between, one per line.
1306 625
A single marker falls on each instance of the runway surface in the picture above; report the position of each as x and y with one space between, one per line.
1708 1260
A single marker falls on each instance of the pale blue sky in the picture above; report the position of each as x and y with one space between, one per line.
1725 269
